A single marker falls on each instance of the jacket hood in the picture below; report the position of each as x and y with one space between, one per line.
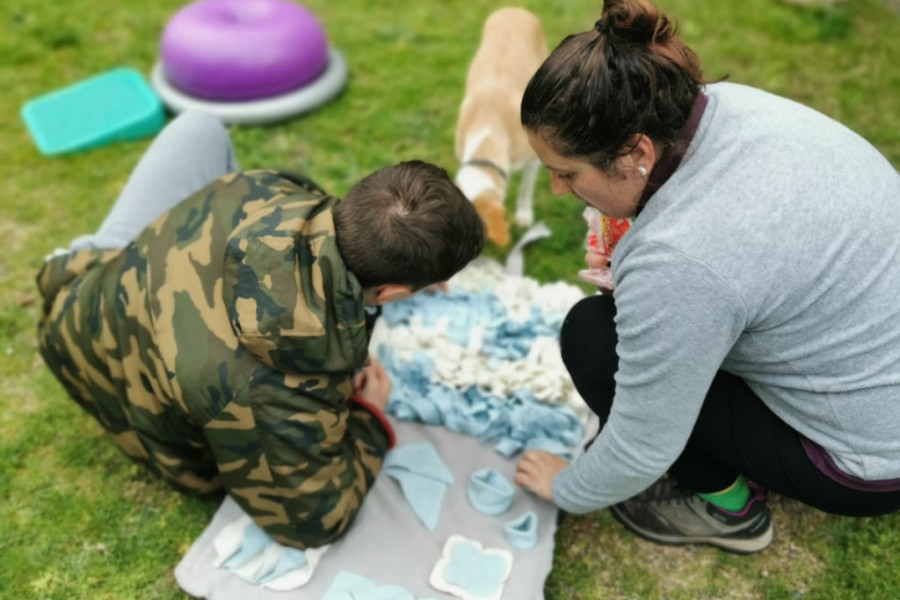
290 298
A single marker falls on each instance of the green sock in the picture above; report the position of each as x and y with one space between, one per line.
733 498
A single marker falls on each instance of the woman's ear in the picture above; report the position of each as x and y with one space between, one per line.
643 153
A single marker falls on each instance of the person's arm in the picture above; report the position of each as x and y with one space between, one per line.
676 321
299 456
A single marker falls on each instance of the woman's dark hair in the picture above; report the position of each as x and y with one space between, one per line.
407 224
629 75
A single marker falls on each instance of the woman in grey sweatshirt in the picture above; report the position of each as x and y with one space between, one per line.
753 341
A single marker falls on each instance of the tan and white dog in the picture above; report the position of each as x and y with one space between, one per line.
490 140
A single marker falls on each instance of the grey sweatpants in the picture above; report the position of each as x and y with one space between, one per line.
189 153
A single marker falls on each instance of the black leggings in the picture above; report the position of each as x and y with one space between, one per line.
735 434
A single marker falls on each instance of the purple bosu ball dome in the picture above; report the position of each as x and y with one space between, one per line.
242 49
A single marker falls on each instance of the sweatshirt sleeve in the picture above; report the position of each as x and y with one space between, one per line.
676 321
298 456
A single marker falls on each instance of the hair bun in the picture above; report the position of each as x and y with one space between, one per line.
633 21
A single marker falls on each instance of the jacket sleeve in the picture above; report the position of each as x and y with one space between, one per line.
677 318
298 455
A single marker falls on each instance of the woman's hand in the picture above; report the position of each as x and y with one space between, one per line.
596 260
598 272
373 385
536 471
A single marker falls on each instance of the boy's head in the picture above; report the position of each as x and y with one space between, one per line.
405 227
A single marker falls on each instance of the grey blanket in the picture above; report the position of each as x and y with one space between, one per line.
388 544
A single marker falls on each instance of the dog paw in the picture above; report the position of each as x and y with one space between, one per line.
524 219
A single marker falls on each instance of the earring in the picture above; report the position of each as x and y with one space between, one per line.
642 170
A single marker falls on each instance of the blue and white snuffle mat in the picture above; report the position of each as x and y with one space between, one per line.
483 359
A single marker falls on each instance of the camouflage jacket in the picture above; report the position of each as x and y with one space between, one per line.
218 350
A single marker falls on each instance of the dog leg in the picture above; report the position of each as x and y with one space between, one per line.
525 196
493 214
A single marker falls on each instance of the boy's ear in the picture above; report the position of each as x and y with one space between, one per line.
389 292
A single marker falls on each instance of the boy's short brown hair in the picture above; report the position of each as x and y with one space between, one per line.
407 224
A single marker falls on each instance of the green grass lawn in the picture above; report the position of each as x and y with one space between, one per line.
77 520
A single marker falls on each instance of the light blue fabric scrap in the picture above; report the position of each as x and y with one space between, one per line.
489 491
521 532
416 371
253 541
542 442
474 571
289 560
348 586
508 447
423 477
498 426
425 496
421 458
444 398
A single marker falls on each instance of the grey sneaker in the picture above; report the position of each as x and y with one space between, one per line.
669 514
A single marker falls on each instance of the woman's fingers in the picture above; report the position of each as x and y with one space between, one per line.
536 471
596 260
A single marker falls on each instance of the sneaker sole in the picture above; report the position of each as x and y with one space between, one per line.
736 545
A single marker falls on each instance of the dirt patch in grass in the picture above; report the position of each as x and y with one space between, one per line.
14 234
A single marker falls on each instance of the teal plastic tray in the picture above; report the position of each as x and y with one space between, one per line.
113 106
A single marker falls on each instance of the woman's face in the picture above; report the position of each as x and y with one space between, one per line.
614 195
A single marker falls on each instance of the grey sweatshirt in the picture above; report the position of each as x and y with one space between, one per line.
772 252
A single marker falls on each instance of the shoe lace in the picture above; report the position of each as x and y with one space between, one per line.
667 491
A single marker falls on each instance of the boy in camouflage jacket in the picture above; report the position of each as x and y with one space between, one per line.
219 345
